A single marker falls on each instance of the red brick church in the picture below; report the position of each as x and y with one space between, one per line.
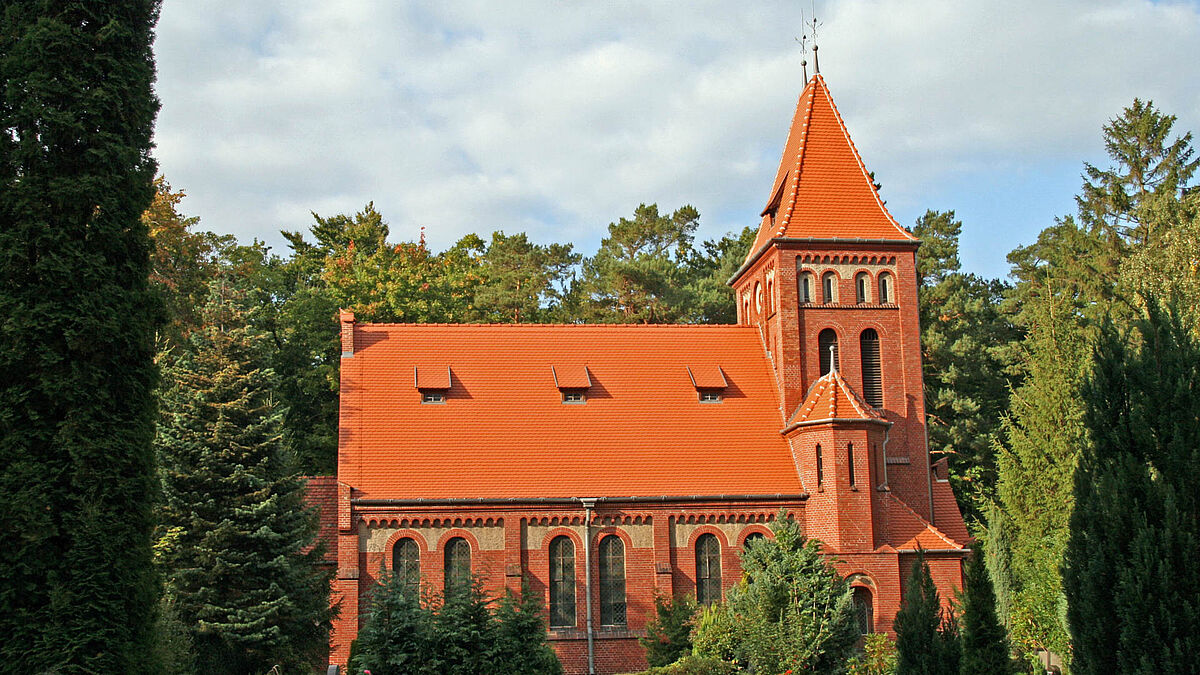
609 463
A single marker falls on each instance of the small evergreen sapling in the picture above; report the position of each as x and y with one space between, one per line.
926 637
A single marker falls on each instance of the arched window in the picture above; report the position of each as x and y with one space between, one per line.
708 569
562 582
612 581
820 466
457 565
860 288
850 460
406 564
758 298
864 610
825 340
752 537
872 374
829 288
885 288
806 288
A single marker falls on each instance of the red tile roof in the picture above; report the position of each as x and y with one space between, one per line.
707 377
945 510
831 398
571 377
908 531
431 377
822 189
503 431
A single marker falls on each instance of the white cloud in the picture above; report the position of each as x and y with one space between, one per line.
556 118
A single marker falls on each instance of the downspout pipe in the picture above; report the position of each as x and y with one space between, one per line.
588 505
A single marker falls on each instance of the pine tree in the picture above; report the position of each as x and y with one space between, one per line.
636 275
926 637
239 563
77 111
984 641
966 351
1132 571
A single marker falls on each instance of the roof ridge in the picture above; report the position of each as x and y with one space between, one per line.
647 326
808 111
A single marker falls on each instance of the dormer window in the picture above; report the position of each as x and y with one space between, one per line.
433 382
709 382
573 382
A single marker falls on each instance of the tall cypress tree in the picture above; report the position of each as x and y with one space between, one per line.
1132 568
926 637
76 343
984 642
239 556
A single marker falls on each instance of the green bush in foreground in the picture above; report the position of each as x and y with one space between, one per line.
669 634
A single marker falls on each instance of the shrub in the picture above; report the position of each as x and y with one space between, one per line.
669 635
878 657
716 634
694 665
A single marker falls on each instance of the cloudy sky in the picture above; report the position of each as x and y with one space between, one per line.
557 118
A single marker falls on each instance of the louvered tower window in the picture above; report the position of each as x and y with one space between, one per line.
826 339
872 384
612 581
406 564
708 569
457 565
562 582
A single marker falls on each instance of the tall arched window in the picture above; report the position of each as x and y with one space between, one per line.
562 582
872 374
806 288
860 288
885 288
406 564
826 340
457 565
829 288
612 581
864 610
708 569
820 467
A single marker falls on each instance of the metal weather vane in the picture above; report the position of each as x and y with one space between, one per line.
810 33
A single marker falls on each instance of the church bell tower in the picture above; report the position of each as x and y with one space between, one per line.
830 284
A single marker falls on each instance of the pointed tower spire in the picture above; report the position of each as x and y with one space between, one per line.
822 189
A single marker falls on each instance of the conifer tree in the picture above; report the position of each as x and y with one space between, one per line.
984 642
77 111
239 562
966 353
1132 571
926 637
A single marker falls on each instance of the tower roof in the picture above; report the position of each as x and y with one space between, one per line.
832 398
822 190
